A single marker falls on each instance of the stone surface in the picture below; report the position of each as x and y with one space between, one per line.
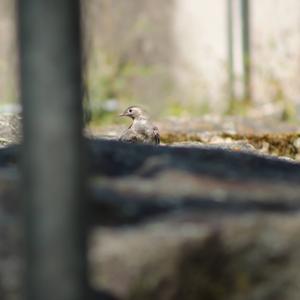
263 135
10 129
206 224
195 256
177 222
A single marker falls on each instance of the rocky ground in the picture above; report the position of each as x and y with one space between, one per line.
264 136
213 213
215 217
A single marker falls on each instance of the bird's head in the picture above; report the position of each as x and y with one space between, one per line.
133 112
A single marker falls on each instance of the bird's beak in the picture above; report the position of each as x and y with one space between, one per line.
122 115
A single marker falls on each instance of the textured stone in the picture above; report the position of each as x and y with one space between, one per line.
191 256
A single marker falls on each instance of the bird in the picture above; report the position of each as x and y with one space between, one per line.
142 130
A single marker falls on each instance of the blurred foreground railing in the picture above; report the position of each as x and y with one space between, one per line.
230 54
244 48
52 153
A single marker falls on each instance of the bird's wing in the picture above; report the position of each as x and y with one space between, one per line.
129 136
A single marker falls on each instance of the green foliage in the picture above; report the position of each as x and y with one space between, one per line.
109 77
179 109
112 76
280 98
237 107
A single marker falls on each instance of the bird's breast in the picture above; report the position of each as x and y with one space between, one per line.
140 125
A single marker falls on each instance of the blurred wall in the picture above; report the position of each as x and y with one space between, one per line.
276 50
8 86
200 39
173 52
130 50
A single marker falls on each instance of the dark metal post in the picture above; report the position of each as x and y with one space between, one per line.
246 50
230 54
52 152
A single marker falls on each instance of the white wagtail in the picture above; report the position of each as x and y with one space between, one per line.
141 130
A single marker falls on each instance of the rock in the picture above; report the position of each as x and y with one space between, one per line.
297 143
188 144
268 137
235 146
208 224
254 257
110 158
136 182
10 128
181 223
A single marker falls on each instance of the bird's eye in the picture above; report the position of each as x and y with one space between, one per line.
130 110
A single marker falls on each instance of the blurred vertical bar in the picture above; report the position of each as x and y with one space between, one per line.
53 183
246 50
230 54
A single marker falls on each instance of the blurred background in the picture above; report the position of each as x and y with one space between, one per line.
217 75
180 57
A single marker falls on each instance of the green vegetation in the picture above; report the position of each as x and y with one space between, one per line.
113 82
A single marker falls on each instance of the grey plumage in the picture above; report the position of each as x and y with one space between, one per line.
141 130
